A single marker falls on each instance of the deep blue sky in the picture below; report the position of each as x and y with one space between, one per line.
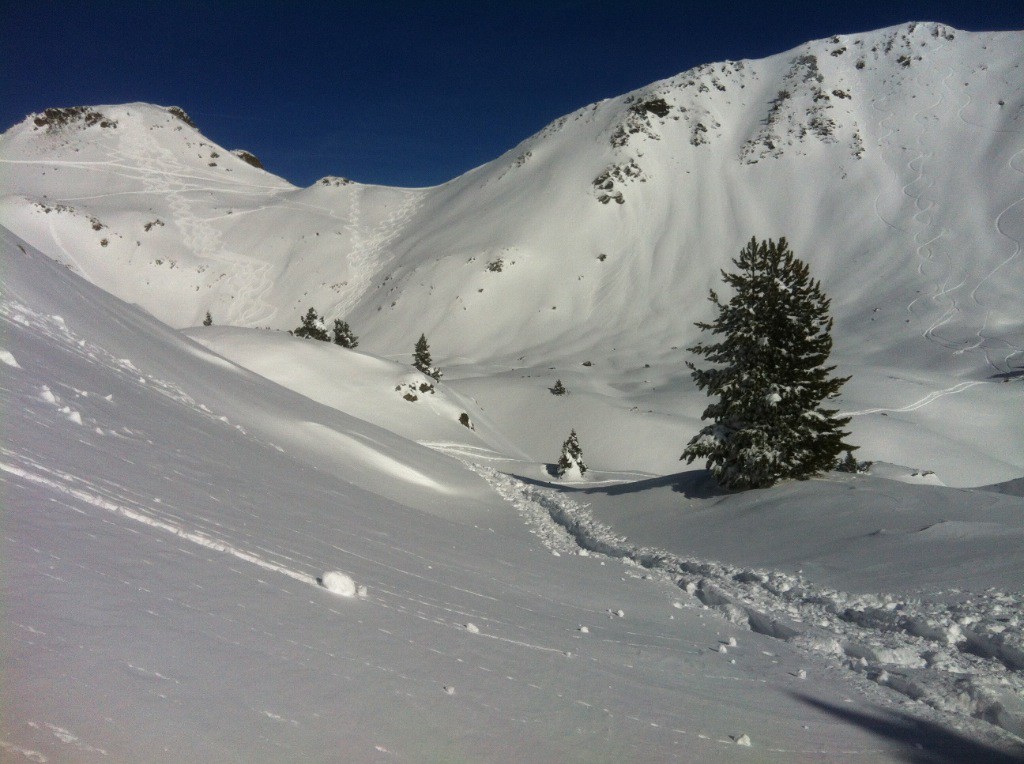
400 93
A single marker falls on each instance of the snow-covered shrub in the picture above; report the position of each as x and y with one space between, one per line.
343 334
570 463
412 390
559 388
312 327
851 465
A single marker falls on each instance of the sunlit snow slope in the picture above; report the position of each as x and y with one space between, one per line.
167 516
892 161
227 543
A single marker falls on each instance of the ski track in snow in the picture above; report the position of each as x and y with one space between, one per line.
926 236
936 263
883 140
66 484
119 500
921 403
248 279
56 329
24 753
370 244
1017 245
439 613
929 248
965 658
450 618
69 259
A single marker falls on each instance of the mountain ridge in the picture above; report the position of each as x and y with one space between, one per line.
583 185
597 239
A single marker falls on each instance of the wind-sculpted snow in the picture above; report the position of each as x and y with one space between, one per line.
68 484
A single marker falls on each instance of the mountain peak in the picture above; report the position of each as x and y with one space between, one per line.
886 158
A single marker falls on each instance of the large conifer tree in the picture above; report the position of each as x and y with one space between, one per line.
775 337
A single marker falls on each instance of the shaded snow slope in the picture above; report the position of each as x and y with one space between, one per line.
167 517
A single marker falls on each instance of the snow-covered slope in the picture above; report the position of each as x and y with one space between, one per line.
228 543
167 516
892 161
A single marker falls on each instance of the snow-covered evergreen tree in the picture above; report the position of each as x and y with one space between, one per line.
571 461
559 388
767 424
312 327
343 334
208 321
421 359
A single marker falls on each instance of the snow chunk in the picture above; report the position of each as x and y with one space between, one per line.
339 583
472 628
743 740
10 360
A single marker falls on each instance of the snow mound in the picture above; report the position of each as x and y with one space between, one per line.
339 583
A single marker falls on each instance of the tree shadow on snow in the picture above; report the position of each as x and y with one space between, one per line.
694 484
1006 376
926 742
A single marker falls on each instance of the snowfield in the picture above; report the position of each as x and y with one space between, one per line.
227 543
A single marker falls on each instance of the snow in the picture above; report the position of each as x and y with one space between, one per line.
228 543
339 583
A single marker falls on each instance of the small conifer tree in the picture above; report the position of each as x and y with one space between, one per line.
208 321
849 464
421 359
312 327
343 334
767 424
559 388
572 457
